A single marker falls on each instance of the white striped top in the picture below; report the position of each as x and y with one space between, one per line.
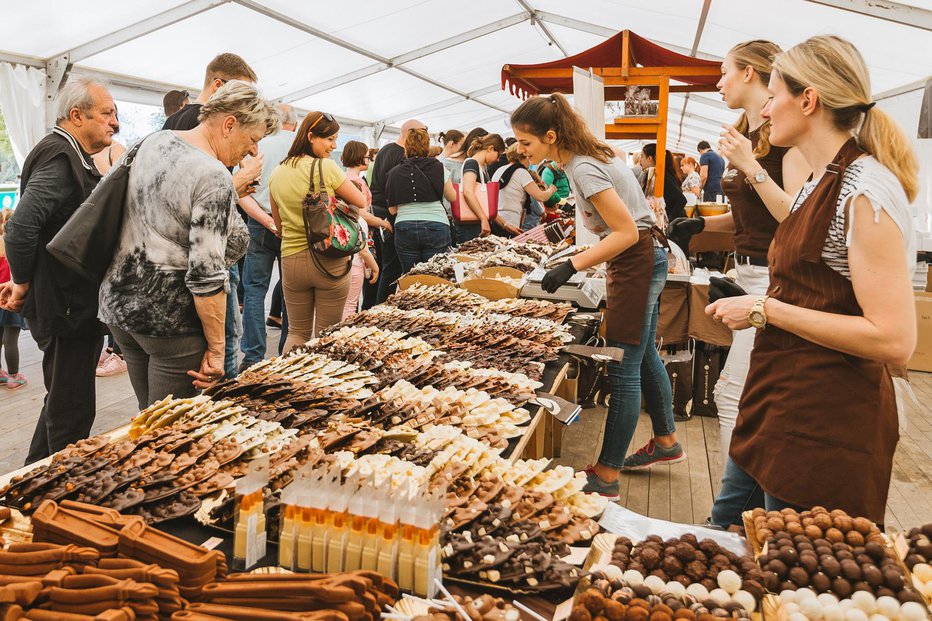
865 177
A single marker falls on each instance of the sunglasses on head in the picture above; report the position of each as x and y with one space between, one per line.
323 115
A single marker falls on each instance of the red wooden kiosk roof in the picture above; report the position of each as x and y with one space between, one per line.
608 54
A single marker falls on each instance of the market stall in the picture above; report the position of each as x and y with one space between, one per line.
633 69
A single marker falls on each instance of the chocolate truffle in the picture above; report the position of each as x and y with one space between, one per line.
842 588
799 576
820 582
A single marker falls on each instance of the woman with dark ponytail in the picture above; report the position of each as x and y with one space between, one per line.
673 198
614 208
481 152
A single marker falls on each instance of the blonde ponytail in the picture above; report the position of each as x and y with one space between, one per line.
837 71
883 138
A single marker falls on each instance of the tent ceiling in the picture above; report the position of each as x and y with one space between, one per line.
439 60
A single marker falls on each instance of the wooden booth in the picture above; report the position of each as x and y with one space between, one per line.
623 60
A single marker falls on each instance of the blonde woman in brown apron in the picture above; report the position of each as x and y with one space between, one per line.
614 208
817 422
760 182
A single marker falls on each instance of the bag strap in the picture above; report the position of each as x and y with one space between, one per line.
508 174
426 178
349 266
131 154
482 177
322 188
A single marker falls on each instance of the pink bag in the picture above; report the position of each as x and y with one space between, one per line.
486 193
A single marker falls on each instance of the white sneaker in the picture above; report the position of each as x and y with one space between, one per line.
113 365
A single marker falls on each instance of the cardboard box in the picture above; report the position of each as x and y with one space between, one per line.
922 357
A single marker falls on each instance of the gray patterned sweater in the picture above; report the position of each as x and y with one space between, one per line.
180 235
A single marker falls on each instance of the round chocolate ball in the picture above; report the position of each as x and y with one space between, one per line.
820 582
842 588
799 576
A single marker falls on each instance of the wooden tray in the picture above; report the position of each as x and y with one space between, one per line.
899 546
422 279
500 271
491 288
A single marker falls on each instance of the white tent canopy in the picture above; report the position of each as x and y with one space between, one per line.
375 63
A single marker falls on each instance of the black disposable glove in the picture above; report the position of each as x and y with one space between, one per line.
723 288
557 277
681 230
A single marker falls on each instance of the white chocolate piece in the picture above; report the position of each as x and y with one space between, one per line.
811 608
864 601
923 571
721 596
699 592
656 584
833 612
912 611
729 580
633 577
745 599
888 606
675 589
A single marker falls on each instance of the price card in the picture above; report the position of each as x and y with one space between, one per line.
577 556
562 613
212 543
459 271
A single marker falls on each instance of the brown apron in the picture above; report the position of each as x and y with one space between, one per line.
626 289
816 426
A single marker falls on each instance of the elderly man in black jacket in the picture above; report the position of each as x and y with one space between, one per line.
60 307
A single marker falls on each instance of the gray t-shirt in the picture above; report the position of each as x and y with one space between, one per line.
511 197
180 235
589 176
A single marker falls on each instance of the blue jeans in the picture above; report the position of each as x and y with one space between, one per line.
639 370
233 327
467 230
741 493
419 240
264 250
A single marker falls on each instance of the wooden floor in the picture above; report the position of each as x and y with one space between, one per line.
681 493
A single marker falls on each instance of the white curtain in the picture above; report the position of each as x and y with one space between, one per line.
22 99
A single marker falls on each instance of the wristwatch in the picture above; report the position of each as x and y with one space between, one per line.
757 317
759 177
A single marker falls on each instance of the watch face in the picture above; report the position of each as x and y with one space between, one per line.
760 177
756 318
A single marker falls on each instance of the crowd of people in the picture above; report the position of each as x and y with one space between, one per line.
818 179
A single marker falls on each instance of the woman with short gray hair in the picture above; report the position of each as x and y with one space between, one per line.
164 295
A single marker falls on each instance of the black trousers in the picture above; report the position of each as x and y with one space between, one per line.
70 405
389 264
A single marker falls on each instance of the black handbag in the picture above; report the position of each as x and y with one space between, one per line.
87 241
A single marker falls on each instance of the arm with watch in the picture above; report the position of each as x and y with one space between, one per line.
738 150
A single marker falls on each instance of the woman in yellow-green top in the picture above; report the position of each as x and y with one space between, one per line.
313 298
